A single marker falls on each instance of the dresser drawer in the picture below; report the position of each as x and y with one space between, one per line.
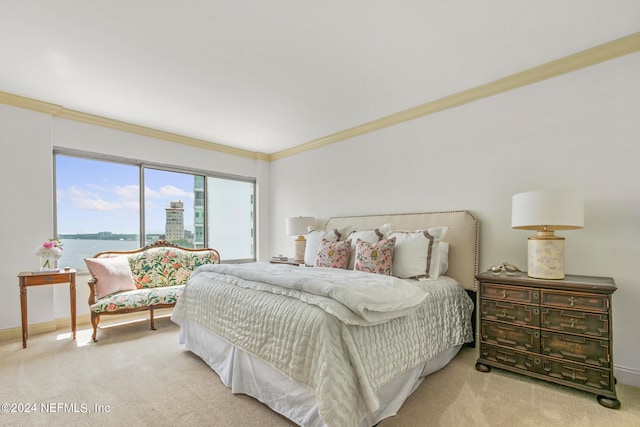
576 322
512 358
505 311
578 374
575 301
510 293
575 348
511 336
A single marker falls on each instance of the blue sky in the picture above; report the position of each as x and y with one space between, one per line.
94 196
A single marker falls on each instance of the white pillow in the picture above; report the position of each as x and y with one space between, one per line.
443 248
369 236
416 253
112 274
314 239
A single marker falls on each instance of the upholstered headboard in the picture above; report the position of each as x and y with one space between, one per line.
462 236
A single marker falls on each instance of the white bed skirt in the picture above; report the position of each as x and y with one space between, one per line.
244 373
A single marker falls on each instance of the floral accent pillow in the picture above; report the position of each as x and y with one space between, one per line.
333 254
315 238
370 236
375 257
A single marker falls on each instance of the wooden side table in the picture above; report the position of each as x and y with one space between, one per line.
26 279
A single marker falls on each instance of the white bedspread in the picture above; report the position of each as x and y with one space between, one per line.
344 334
370 298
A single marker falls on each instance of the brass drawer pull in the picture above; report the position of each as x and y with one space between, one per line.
504 293
573 323
572 301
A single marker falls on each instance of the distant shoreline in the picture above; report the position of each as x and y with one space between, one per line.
100 236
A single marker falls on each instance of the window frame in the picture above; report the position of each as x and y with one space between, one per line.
142 165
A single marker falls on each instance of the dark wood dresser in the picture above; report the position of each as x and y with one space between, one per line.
554 330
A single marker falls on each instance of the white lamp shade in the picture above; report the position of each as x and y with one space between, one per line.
299 225
547 210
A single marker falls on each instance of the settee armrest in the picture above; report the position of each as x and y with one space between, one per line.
93 284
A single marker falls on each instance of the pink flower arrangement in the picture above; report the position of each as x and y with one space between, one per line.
52 248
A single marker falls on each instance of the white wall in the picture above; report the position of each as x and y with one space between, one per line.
27 139
577 131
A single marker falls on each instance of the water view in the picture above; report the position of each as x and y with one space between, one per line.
76 250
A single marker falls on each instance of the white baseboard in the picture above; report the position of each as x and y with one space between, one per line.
43 328
627 376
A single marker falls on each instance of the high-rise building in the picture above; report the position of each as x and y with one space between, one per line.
198 211
174 226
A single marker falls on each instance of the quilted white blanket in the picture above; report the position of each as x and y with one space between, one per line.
370 298
343 333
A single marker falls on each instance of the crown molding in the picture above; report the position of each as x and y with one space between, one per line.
59 111
28 103
158 134
586 58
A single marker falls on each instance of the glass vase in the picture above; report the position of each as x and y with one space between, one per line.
48 263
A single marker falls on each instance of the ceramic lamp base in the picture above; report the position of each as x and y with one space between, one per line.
546 257
301 245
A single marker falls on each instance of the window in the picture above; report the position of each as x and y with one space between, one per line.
230 217
97 208
100 207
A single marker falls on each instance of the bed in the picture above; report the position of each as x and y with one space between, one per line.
331 346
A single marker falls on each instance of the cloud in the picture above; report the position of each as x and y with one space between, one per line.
87 200
93 197
96 204
167 191
130 192
96 187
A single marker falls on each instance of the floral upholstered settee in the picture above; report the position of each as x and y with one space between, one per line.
143 279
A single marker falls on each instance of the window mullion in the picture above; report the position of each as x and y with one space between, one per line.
143 234
205 221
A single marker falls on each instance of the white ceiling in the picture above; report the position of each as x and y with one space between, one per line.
270 75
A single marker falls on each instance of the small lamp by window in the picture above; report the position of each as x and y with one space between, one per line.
547 211
298 226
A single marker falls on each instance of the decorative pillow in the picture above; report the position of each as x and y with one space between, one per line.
443 248
315 237
112 274
416 253
333 254
375 257
370 236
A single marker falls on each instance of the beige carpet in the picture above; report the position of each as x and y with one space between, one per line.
135 376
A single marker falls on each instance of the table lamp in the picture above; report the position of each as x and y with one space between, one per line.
298 226
547 211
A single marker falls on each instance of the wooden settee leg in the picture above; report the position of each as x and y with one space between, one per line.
153 325
95 319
